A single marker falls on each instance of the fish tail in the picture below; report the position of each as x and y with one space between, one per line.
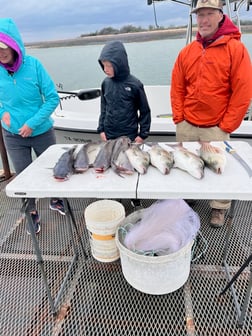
117 169
118 172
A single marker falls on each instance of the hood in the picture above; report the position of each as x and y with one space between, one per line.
10 35
226 27
115 53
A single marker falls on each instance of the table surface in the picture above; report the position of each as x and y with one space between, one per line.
37 180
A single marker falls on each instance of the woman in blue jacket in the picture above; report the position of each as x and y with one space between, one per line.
28 97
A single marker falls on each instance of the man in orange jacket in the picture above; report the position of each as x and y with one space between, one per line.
211 86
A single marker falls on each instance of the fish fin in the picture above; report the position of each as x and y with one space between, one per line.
118 171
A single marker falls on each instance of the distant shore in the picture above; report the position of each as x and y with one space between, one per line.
172 33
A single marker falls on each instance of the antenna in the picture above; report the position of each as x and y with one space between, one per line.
152 2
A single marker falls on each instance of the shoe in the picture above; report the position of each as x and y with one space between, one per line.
58 206
136 203
217 218
36 222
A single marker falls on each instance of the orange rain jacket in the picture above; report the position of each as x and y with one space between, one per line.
212 85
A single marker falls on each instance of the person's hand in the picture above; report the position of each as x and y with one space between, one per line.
103 136
25 131
138 140
6 118
203 142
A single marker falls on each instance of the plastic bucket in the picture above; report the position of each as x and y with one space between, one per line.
153 274
102 219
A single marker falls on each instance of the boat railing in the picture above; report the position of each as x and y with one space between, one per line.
233 8
249 113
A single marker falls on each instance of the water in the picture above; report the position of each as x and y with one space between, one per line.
77 67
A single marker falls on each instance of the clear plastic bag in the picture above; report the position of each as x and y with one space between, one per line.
165 227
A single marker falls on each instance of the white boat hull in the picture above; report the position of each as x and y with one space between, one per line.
76 121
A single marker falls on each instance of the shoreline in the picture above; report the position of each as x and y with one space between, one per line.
172 33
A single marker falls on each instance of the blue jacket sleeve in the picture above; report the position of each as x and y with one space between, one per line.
49 95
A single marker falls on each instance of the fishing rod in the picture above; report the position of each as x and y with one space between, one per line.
82 94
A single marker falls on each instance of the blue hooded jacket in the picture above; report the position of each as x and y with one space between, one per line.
26 90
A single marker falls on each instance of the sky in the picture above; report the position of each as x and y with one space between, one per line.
46 20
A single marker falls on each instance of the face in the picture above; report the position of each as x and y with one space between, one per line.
108 68
208 20
7 56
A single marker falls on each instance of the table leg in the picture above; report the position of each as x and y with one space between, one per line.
240 313
229 229
70 220
40 260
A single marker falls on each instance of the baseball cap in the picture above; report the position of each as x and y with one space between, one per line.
215 4
3 45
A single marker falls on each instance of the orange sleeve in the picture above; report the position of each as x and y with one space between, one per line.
177 90
241 86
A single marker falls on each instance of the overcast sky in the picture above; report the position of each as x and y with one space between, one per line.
61 19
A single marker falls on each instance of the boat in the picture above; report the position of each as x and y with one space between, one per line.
76 117
94 298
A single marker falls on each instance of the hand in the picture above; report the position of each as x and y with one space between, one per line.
103 136
138 140
6 118
25 131
201 142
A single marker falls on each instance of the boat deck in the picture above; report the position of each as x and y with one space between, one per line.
97 299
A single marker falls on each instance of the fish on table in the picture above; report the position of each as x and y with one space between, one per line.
93 149
64 167
103 159
81 160
139 158
214 157
161 158
120 162
188 161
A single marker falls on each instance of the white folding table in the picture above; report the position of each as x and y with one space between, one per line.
37 181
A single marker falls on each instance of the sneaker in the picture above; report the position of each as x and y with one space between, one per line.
217 218
36 222
58 206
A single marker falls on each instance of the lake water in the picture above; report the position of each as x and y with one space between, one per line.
77 67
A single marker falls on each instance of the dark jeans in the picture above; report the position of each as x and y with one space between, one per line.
20 151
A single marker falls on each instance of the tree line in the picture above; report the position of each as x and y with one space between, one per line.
133 29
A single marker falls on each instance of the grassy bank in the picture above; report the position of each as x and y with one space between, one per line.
128 37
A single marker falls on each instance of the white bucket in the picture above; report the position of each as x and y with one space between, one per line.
102 219
153 274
